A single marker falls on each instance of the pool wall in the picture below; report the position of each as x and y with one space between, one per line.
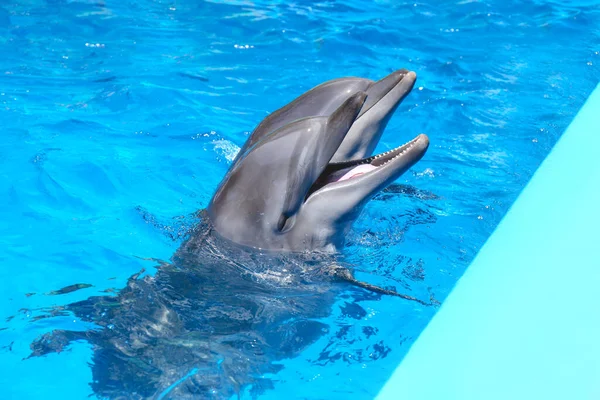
523 321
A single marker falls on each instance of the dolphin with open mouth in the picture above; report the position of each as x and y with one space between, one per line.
220 316
305 172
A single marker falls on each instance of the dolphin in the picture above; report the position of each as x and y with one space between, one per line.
286 192
256 279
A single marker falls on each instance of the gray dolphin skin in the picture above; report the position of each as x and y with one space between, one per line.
255 280
300 185
384 96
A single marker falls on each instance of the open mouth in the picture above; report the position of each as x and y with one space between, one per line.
396 161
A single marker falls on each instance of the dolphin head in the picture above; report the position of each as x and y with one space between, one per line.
284 192
384 96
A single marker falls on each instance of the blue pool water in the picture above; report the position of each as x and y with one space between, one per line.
120 118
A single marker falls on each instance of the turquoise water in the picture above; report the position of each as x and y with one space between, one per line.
120 118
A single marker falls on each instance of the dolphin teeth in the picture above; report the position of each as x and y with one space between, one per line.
405 147
400 150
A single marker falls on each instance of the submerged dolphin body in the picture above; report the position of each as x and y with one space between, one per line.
221 315
207 325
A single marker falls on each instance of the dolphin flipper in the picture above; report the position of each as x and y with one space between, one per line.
344 275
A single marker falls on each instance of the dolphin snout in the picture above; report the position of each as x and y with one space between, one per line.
385 87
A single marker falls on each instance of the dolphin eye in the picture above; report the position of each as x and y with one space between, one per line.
285 223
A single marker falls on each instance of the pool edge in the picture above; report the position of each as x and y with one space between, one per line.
519 323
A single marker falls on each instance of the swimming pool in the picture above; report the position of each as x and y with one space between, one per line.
119 119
